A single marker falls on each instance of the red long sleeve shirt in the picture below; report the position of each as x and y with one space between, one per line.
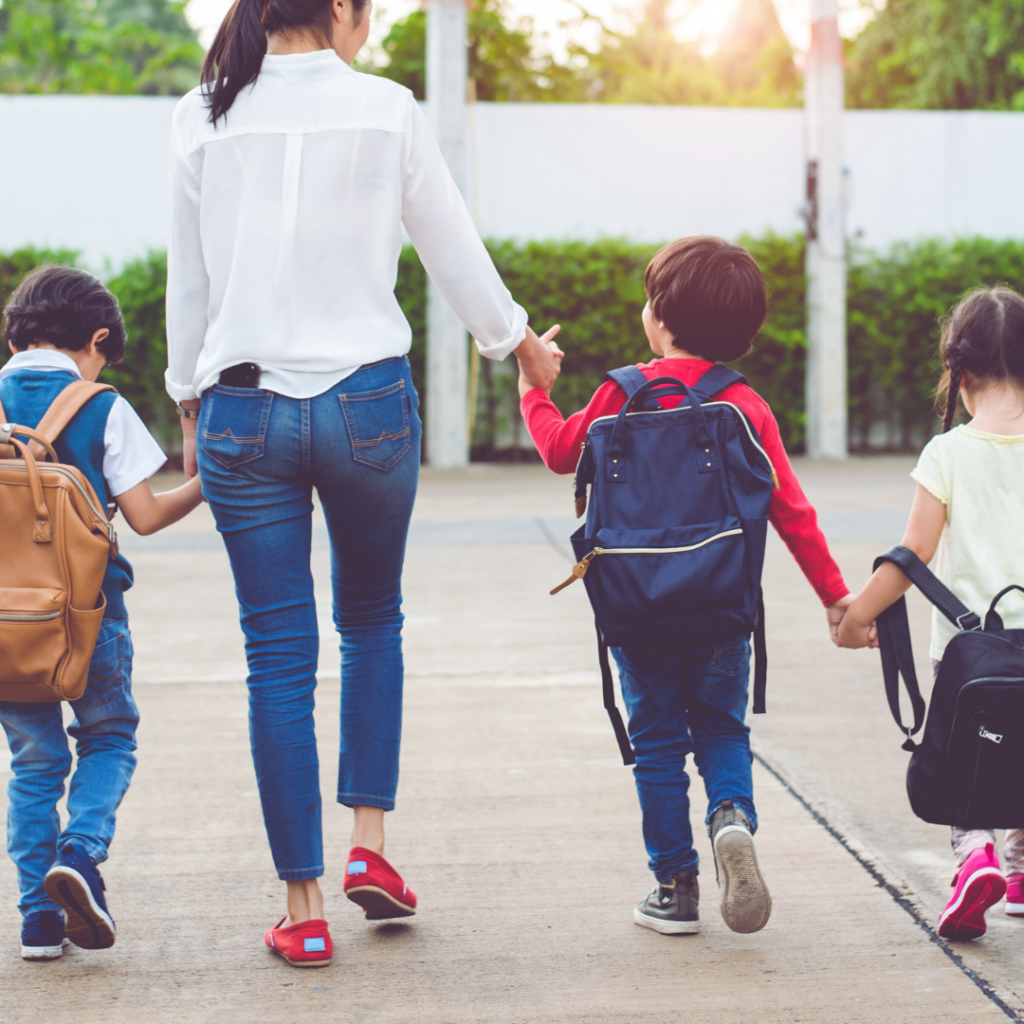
792 515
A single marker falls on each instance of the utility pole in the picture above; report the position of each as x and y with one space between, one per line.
826 237
447 343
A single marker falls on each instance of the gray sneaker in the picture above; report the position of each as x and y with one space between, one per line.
672 907
746 904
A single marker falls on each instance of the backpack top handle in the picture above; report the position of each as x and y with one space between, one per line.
616 457
993 620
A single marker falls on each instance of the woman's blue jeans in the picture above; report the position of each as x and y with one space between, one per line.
260 456
681 703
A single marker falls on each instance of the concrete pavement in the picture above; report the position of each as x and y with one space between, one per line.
516 823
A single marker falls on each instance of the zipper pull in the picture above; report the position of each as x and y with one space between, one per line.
579 570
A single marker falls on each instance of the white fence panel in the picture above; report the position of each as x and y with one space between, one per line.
90 173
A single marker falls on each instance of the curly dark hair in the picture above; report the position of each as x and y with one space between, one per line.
65 307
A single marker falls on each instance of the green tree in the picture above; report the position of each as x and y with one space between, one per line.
502 62
940 55
106 46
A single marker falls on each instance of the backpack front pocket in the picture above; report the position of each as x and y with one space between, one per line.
33 635
637 575
378 425
234 424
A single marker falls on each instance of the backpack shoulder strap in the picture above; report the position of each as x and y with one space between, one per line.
894 634
718 378
63 408
629 378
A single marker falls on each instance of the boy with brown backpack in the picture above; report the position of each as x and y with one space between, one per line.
69 450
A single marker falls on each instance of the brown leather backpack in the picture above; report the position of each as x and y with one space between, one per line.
55 542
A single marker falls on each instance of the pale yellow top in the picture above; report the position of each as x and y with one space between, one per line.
979 477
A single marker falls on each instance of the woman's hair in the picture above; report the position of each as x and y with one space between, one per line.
710 294
234 59
65 307
982 341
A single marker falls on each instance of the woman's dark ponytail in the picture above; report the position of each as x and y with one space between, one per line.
238 50
235 58
982 342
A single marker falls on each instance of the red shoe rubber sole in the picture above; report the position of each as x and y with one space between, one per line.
378 904
299 963
966 918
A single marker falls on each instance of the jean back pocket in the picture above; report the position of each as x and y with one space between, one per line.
234 424
378 424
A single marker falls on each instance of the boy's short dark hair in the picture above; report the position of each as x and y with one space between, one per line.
710 294
66 307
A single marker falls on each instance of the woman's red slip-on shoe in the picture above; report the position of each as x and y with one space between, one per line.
377 887
303 945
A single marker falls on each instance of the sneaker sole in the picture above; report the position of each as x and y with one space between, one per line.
665 927
378 904
965 919
1015 909
746 904
43 952
87 925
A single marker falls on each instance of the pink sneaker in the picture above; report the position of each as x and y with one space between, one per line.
1015 895
978 884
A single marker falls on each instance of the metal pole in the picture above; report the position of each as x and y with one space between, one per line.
826 238
447 344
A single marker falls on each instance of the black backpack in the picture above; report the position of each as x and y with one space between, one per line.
968 769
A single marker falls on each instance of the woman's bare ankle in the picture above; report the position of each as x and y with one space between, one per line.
368 829
305 901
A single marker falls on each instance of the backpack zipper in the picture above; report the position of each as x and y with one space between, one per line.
956 713
579 570
29 616
51 468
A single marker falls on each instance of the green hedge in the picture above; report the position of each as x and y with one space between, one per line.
595 290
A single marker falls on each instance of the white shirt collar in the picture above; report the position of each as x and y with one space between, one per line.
304 66
41 359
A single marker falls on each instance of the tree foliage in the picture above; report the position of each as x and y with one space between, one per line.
643 64
940 55
105 46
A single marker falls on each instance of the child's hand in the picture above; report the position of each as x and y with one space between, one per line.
834 613
852 631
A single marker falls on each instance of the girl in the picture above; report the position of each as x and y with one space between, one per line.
970 495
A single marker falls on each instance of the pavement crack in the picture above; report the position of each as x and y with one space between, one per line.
986 987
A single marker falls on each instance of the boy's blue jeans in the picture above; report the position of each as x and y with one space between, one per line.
681 703
260 457
104 732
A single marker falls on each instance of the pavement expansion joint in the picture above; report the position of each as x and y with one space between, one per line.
871 866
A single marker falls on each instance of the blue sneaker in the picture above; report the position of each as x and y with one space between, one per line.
76 885
42 936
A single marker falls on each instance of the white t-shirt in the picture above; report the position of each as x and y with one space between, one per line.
979 477
130 453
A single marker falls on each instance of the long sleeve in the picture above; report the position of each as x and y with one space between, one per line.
188 285
442 230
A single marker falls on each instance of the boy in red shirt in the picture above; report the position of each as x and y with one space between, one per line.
706 302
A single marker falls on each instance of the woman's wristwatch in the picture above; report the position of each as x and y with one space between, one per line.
186 414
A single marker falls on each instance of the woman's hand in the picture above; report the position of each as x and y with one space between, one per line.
540 360
188 440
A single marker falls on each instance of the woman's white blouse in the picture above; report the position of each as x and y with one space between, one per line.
286 228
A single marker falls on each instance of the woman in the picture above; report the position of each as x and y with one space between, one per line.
292 178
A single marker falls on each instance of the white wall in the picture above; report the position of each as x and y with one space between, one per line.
90 173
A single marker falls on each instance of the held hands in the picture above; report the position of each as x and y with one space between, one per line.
846 626
540 361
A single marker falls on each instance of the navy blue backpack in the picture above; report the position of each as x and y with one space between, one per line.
673 546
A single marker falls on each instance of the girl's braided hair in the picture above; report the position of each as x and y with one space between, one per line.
982 342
